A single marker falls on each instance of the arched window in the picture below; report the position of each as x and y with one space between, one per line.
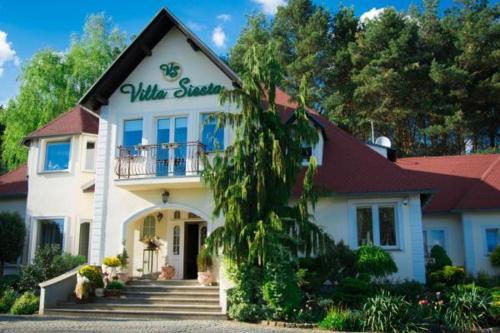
203 235
149 227
177 215
177 240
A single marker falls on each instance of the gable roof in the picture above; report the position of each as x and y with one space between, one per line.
349 165
75 121
141 47
467 182
14 183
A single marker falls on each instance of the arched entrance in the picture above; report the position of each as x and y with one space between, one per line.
169 234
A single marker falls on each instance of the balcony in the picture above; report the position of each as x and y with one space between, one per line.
160 165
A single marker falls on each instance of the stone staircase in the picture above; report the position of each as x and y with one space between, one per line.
145 299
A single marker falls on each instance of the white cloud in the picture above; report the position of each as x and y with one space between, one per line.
7 53
219 37
270 6
224 17
371 14
195 26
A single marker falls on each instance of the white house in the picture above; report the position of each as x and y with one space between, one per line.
125 165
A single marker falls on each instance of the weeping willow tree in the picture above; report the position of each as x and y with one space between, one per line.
252 180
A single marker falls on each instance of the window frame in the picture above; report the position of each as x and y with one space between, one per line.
43 154
121 133
84 154
36 229
176 238
427 251
484 236
143 229
375 205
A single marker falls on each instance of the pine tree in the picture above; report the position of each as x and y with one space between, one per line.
252 180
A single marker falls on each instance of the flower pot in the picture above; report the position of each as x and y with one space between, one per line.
113 292
167 273
123 276
205 278
99 292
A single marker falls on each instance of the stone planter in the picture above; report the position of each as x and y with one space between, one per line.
123 276
205 278
99 292
167 273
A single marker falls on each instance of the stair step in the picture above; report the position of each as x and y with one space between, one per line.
166 282
145 315
143 307
170 287
157 300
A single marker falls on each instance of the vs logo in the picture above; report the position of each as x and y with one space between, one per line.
171 71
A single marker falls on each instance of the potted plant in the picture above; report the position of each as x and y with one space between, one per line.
167 271
112 262
204 260
123 257
94 275
114 289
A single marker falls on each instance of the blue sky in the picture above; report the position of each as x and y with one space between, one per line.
29 25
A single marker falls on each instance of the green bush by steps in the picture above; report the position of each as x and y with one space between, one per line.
27 304
7 300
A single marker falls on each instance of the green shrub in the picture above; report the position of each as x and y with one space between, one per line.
410 290
495 303
387 313
495 257
439 259
338 319
9 281
94 275
12 234
26 304
245 298
204 260
467 308
115 285
280 290
48 263
123 257
453 275
353 292
7 300
375 261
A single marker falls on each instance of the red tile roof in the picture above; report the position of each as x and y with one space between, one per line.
461 182
349 166
75 121
15 182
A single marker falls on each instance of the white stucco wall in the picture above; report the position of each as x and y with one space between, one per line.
474 226
338 217
59 194
453 234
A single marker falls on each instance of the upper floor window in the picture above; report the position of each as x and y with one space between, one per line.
377 224
90 156
492 239
211 136
132 132
57 155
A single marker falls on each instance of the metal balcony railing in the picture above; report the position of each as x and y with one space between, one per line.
161 160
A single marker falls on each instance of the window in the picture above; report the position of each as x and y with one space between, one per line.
177 240
132 132
57 155
307 152
365 225
177 215
51 232
149 228
203 235
90 156
377 224
211 136
83 245
433 237
491 239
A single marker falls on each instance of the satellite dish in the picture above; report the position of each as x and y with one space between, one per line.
383 141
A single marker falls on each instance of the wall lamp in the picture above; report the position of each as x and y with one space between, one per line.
164 196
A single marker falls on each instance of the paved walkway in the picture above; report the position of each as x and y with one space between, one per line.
37 324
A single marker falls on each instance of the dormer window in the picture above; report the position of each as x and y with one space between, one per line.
57 155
